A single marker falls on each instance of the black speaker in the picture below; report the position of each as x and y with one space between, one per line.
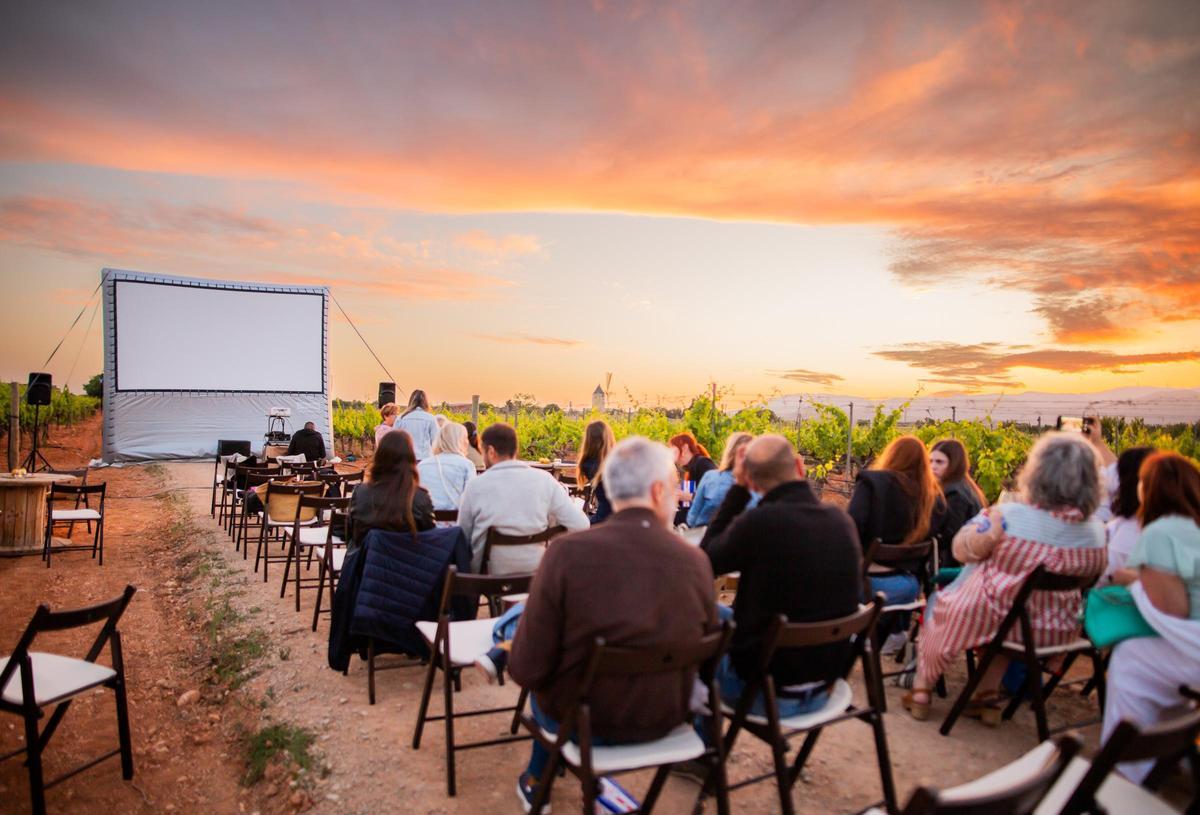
387 393
38 392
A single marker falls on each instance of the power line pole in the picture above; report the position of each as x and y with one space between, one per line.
953 413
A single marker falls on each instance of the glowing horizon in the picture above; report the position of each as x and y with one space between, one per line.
788 198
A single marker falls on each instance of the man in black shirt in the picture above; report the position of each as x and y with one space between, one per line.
309 442
797 557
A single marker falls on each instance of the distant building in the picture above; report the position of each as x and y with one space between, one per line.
598 399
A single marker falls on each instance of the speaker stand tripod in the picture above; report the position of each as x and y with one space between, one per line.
35 455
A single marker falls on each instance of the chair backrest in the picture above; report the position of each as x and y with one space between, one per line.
461 584
44 619
348 480
81 473
1039 580
783 634
227 447
1018 796
446 515
69 492
282 499
621 660
497 538
886 553
1166 741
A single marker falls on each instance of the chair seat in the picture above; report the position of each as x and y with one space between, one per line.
339 555
469 639
1116 794
841 696
1050 650
55 677
75 515
915 605
681 744
315 536
271 523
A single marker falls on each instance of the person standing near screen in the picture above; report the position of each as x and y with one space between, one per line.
420 424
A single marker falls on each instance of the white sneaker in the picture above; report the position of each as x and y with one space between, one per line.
893 643
487 668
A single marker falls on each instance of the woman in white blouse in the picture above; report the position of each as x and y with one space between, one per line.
1122 532
446 473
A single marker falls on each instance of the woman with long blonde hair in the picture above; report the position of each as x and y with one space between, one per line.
715 484
597 441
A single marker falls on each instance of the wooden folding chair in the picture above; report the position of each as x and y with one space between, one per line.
855 629
445 516
1093 786
303 539
1018 788
1034 657
572 746
81 502
30 681
67 492
237 497
456 645
251 478
341 483
496 538
282 510
880 559
227 450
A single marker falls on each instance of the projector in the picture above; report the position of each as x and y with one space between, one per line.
280 413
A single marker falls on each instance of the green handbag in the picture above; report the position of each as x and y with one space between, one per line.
1111 615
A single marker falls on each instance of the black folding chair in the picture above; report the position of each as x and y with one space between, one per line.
445 516
1018 788
1098 788
855 629
1032 656
30 681
303 541
574 748
456 645
329 562
227 450
94 514
881 559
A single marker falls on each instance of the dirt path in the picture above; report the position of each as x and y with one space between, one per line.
202 620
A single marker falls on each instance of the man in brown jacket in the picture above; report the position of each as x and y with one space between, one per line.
633 582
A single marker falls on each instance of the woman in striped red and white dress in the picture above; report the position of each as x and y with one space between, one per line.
1053 526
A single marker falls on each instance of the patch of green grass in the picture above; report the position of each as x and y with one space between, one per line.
271 741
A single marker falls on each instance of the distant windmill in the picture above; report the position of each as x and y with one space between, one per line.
600 395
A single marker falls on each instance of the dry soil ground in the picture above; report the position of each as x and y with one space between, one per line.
202 620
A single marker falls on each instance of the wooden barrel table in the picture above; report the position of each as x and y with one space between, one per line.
23 511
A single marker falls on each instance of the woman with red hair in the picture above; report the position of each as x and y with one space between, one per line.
693 462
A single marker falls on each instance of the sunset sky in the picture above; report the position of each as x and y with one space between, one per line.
864 198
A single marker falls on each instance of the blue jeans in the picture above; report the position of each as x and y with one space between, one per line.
897 588
539 755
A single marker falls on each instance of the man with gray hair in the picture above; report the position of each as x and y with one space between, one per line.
798 557
630 580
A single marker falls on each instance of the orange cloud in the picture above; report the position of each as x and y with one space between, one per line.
500 246
529 339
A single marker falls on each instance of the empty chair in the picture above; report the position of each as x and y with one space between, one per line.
303 541
282 510
329 562
90 513
32 680
1018 788
227 450
456 645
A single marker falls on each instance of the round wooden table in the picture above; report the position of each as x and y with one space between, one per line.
23 511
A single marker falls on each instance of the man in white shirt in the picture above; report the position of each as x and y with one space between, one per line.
515 499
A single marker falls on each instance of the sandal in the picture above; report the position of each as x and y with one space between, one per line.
918 710
987 707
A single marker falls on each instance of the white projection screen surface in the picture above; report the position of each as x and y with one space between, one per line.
194 338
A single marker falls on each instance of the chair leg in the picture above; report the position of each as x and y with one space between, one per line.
516 721
778 752
660 778
320 592
100 537
258 552
810 741
33 760
287 573
295 549
1098 676
1038 697
885 762
541 790
976 676
423 708
591 791
448 697
371 670
123 729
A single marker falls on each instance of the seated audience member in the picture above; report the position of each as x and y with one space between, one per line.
1109 477
1054 527
473 452
714 484
446 473
309 442
629 580
964 499
1123 531
693 461
388 414
895 501
420 424
597 442
798 557
1164 576
391 498
515 499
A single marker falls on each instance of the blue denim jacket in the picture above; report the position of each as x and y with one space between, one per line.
710 492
